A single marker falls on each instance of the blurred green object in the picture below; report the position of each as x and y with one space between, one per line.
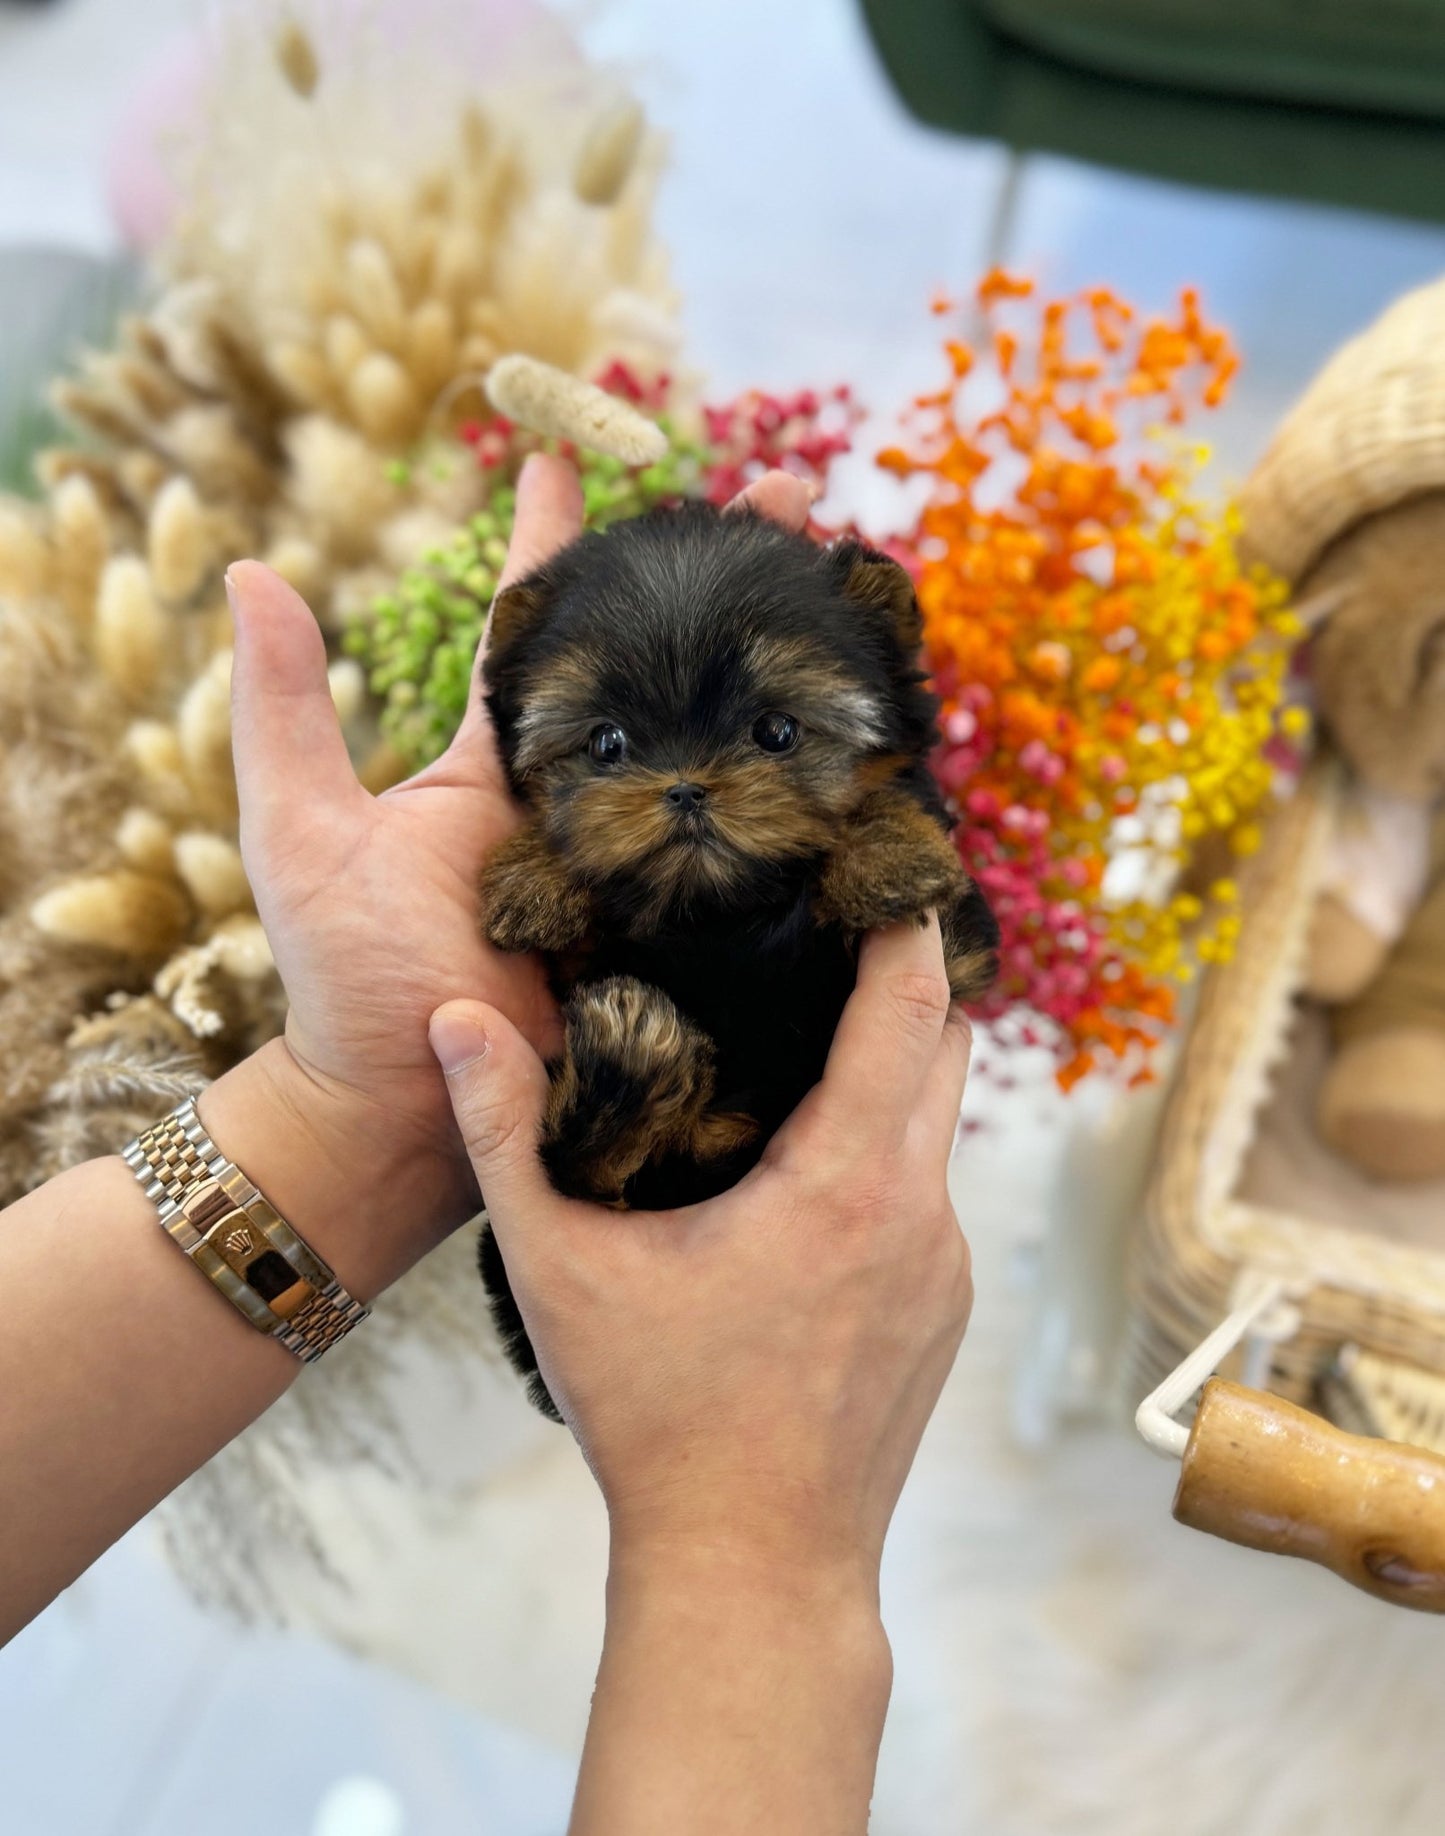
1334 100
53 302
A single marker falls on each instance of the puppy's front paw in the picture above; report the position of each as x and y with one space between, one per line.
970 944
864 888
634 1081
527 902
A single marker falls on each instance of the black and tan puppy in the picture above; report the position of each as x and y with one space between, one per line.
720 736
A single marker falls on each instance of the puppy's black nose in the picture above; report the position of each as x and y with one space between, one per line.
685 798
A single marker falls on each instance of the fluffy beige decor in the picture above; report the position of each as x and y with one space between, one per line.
363 232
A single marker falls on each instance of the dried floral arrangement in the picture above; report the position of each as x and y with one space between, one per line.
342 271
1112 677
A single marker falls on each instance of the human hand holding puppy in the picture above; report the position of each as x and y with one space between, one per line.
370 907
748 1379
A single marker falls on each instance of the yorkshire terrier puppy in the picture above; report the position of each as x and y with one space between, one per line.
719 733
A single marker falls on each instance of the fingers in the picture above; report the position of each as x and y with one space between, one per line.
498 1087
285 735
942 1096
889 1035
778 496
549 515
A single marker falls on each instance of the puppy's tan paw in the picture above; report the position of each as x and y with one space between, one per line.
527 904
862 891
634 1082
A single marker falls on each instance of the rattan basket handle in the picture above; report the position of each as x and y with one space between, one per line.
1258 1470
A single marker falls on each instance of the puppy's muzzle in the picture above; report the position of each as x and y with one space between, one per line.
685 799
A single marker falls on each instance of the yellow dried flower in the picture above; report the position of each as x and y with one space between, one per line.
338 487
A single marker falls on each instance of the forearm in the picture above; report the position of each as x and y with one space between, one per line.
122 1369
731 1700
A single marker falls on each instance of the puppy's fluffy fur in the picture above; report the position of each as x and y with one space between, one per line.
720 735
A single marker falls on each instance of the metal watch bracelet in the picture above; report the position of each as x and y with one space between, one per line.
237 1238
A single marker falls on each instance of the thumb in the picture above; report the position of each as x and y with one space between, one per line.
498 1087
287 741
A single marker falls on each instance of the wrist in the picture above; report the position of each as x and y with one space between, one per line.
725 1585
349 1178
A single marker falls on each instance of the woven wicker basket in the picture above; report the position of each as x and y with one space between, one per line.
1367 434
1203 1233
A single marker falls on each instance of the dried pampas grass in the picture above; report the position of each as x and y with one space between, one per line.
365 228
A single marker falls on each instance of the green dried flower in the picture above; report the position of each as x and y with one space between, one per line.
418 642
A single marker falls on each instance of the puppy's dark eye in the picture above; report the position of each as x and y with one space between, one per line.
608 745
777 732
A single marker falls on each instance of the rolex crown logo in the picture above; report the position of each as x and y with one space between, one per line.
237 1242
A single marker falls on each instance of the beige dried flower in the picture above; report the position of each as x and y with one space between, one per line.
211 870
24 555
550 401
608 153
155 749
136 914
145 841
193 982
299 562
82 542
347 680
178 541
296 59
374 293
345 344
431 345
338 487
203 728
130 628
380 394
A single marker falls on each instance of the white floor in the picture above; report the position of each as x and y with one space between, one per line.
810 222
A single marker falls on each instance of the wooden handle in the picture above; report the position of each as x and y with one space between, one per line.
1261 1472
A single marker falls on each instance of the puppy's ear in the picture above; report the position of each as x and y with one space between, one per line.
875 580
513 610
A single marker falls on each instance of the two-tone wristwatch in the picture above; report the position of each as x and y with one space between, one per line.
237 1238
